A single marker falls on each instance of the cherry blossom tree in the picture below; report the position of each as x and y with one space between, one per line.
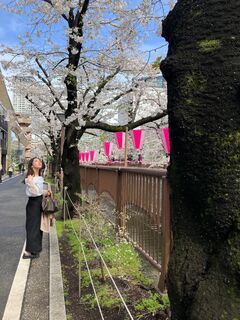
88 51
44 123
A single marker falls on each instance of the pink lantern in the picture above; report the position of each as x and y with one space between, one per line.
120 139
87 156
163 133
93 155
107 146
82 156
138 137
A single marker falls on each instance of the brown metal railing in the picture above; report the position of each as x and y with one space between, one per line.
141 199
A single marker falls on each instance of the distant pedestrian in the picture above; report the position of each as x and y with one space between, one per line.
140 159
34 190
10 171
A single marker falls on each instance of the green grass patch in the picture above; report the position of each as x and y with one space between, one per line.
152 305
60 228
107 296
122 259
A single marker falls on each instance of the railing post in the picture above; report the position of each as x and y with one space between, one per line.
86 184
64 205
97 186
119 203
166 234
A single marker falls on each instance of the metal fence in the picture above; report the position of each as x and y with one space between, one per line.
140 198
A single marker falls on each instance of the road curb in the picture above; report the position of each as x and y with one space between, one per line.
15 299
57 310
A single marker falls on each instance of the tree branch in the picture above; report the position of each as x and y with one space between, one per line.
116 128
47 116
51 4
81 12
118 97
59 62
101 86
45 143
48 83
91 134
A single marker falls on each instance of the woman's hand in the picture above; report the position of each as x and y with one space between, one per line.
48 193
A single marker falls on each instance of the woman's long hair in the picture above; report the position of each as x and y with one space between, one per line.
30 171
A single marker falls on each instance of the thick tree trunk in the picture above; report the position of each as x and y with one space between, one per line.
71 169
70 157
56 155
202 69
70 164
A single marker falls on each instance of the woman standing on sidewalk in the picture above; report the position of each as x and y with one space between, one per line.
34 191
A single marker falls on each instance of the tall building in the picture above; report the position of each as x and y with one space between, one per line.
20 103
3 137
10 125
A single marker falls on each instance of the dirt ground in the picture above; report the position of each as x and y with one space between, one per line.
77 309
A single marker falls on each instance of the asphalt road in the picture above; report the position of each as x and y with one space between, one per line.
12 233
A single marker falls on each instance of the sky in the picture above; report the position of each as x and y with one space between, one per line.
10 27
13 25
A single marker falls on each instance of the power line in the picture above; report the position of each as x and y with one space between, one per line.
109 273
89 272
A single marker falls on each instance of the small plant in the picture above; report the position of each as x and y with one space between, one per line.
152 305
60 228
123 259
108 297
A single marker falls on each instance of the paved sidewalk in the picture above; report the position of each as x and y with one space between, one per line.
37 290
36 300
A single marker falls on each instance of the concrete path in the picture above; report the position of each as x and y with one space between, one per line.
36 300
12 233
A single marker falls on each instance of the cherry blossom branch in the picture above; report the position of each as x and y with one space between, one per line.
116 128
100 87
44 142
48 83
51 4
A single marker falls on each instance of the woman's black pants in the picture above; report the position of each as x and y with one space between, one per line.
33 221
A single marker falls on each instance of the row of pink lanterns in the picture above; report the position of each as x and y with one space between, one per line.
138 136
88 156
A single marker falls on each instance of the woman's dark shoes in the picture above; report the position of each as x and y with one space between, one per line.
30 255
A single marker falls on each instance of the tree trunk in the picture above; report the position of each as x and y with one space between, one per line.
202 69
56 156
70 164
70 157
